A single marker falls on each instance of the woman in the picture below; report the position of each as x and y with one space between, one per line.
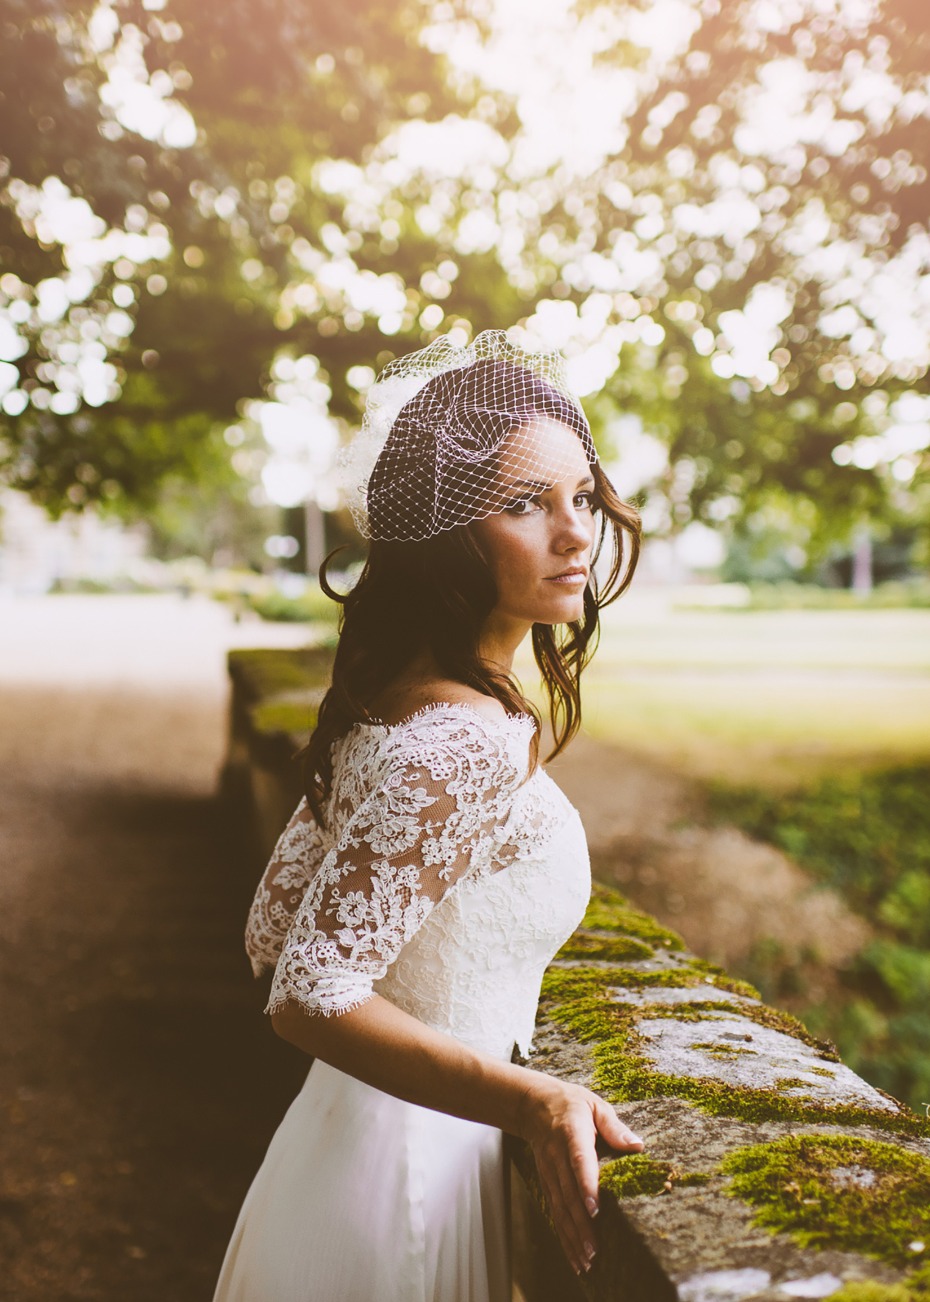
433 868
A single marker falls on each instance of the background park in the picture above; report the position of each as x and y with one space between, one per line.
217 222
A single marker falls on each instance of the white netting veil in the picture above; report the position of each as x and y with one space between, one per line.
455 433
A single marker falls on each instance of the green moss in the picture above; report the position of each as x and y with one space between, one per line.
684 976
718 1050
285 716
870 1290
625 1077
776 1019
718 976
798 1188
608 910
610 949
271 671
564 989
576 998
637 1175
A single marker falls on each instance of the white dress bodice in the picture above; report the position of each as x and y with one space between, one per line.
445 879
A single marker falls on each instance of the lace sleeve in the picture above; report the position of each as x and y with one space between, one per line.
296 857
434 816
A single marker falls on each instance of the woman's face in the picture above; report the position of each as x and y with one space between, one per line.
539 546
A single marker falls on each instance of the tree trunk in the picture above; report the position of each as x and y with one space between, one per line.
314 537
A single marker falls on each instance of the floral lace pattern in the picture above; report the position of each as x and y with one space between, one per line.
297 855
445 880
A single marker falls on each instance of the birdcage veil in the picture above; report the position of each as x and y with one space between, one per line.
448 436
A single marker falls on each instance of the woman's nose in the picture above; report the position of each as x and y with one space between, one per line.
573 532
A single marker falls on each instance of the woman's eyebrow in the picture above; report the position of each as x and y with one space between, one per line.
529 485
540 486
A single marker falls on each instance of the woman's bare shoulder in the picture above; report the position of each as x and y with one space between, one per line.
406 699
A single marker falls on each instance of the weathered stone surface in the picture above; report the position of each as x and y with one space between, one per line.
678 995
730 1048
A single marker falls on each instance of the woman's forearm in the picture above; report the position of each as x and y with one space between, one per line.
385 1047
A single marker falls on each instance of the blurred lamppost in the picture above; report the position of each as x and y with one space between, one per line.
303 440
862 559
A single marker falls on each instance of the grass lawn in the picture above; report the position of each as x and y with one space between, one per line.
766 698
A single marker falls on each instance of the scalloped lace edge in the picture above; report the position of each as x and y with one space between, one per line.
436 706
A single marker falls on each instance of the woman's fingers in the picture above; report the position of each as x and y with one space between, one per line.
571 1221
582 1156
568 1165
566 1158
612 1129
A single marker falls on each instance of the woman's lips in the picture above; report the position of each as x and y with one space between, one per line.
571 576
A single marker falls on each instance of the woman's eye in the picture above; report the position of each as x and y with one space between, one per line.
523 506
585 501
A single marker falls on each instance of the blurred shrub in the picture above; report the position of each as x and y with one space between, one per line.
309 606
867 835
907 594
910 593
121 583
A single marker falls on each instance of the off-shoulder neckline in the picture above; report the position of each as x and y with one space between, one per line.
437 707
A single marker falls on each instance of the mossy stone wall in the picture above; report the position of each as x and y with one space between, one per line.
771 1171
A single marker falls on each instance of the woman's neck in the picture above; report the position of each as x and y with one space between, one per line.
497 645
499 640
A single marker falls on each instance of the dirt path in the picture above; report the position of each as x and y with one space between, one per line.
725 893
139 1083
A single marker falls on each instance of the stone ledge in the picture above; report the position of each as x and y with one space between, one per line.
274 696
699 1067
716 1209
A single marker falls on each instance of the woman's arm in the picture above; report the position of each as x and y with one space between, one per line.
380 1044
296 857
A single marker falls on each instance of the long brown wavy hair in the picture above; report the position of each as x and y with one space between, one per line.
435 595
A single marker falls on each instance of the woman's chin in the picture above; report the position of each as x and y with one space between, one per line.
564 610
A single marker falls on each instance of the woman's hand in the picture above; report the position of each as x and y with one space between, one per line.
561 1123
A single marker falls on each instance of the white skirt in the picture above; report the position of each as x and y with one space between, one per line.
364 1198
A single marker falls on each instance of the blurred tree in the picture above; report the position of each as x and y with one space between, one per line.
772 186
215 244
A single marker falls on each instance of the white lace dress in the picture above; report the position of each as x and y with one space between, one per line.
444 881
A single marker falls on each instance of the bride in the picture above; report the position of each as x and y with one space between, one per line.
433 868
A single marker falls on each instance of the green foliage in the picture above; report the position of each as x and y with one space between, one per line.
838 1191
311 606
275 90
913 595
261 239
207 514
868 836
